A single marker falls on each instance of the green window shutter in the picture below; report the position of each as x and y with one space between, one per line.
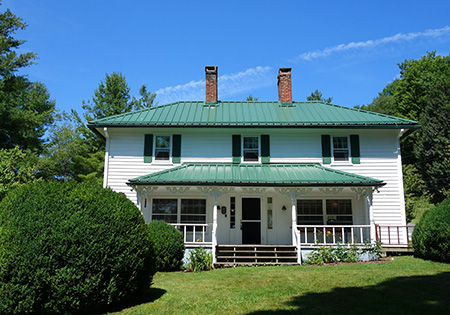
148 148
236 149
326 149
176 149
265 148
354 146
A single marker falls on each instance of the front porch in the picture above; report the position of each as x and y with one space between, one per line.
299 205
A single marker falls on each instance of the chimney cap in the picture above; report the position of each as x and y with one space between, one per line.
210 68
284 70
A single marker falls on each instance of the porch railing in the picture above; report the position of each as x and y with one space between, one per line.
195 234
394 235
311 235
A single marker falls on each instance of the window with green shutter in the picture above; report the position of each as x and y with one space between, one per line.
148 148
265 148
236 149
326 149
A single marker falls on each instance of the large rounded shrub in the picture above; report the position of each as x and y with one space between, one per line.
168 245
67 248
431 236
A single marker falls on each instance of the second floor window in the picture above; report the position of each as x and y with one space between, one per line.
340 148
251 149
162 148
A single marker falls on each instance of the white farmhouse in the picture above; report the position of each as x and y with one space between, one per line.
274 178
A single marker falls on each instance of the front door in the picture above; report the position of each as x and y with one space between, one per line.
251 221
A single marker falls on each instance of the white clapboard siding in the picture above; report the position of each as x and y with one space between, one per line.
379 157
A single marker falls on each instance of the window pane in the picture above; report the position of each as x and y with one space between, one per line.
339 211
309 212
162 142
251 149
162 148
340 148
193 210
167 218
164 206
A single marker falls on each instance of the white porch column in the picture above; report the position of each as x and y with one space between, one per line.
369 202
294 222
367 193
143 192
215 192
214 231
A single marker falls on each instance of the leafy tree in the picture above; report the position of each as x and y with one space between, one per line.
64 146
422 93
10 61
384 103
317 96
25 107
432 148
146 100
17 167
251 98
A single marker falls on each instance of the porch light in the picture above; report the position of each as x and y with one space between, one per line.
284 208
224 211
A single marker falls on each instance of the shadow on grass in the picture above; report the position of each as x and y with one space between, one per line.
146 296
405 295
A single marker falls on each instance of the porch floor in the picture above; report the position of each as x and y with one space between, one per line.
253 255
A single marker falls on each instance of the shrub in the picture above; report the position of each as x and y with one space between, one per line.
67 248
168 245
342 253
200 259
431 236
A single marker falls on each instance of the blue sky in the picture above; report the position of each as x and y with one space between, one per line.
349 50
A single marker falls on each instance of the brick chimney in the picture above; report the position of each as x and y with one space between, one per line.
211 84
284 85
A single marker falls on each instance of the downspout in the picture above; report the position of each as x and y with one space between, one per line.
106 167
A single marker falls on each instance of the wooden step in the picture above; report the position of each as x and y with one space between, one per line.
251 255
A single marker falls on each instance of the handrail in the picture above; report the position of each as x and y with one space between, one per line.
394 235
334 234
194 233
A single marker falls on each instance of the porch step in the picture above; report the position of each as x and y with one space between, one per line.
251 255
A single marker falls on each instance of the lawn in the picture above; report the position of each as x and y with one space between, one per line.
403 286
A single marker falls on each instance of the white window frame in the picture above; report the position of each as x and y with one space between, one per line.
179 214
168 161
324 214
259 148
348 160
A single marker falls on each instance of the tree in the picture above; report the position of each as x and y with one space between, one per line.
422 93
317 96
251 98
10 62
17 167
432 148
25 107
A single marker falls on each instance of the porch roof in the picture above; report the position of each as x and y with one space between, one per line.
269 175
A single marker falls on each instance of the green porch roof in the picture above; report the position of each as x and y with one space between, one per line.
269 175
253 114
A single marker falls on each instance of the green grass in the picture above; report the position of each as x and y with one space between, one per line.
403 286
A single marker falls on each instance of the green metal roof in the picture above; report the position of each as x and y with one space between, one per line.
270 175
253 114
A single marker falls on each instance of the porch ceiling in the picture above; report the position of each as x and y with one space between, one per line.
268 175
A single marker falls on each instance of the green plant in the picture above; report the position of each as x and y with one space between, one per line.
68 248
200 259
343 253
431 236
168 244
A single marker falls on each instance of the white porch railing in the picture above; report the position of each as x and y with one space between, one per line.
195 234
312 235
